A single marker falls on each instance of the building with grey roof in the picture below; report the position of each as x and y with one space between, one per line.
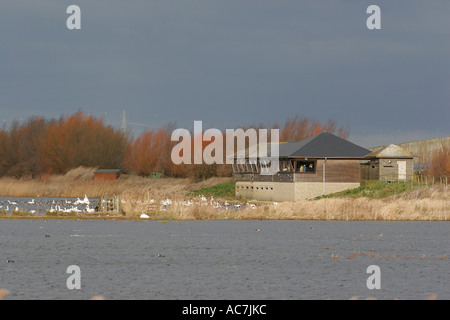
391 163
319 165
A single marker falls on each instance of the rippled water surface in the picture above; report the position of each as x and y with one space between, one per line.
224 259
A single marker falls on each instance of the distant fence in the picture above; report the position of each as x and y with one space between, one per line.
443 181
109 204
412 180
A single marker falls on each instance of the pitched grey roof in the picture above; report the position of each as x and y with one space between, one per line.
391 151
322 145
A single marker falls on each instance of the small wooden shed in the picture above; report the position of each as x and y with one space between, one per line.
107 174
392 163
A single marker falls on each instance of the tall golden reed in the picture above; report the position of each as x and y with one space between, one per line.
136 193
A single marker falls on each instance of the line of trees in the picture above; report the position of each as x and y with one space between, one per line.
55 146
42 146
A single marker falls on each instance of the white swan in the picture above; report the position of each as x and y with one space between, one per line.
144 216
84 201
73 209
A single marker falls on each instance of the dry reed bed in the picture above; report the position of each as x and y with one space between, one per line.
389 256
325 209
135 193
79 182
420 204
4 293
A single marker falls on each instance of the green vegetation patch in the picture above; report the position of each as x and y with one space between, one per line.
376 190
224 190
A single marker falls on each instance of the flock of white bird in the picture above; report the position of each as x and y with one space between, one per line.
65 206
87 206
75 206
202 201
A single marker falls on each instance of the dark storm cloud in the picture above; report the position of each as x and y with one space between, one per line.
231 63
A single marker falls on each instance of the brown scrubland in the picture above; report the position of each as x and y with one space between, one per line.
56 157
136 193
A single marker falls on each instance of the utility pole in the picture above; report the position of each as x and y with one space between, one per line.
124 122
323 178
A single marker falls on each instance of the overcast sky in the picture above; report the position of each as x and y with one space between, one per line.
231 63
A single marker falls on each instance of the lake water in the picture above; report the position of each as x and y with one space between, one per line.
223 260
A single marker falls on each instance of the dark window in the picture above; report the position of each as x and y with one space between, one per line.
305 166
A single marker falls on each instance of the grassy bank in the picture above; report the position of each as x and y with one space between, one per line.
199 200
223 190
379 190
386 202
